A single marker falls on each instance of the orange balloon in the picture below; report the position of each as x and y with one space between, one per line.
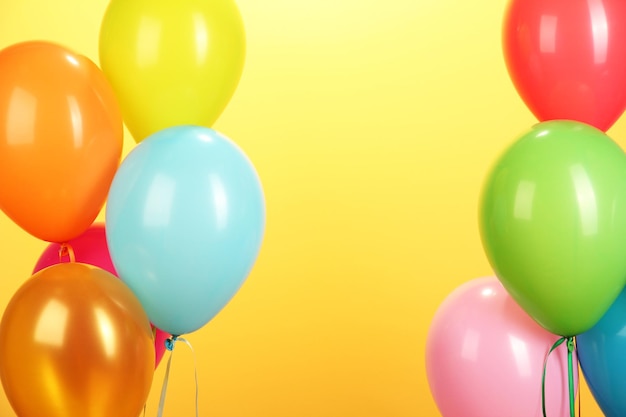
61 138
75 342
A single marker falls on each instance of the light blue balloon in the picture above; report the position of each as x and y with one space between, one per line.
602 357
185 219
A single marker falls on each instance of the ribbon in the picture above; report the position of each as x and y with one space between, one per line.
571 346
578 385
169 345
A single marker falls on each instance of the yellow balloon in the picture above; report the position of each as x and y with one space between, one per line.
170 62
76 342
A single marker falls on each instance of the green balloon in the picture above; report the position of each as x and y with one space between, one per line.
553 224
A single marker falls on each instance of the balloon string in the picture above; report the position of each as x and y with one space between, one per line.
66 250
195 368
578 385
164 388
571 346
169 345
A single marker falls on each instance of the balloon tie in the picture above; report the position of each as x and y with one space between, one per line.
66 250
169 345
571 346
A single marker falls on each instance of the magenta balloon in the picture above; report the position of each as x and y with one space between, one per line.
91 248
485 356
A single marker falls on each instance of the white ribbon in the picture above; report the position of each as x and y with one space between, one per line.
170 346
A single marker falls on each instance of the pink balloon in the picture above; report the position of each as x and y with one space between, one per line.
485 357
91 248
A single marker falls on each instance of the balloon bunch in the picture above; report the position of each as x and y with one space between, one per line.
185 213
552 220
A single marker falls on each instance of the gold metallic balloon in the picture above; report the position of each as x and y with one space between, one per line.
75 342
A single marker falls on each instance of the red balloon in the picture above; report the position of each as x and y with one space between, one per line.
567 58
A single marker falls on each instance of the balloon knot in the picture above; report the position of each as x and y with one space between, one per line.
571 346
169 343
65 249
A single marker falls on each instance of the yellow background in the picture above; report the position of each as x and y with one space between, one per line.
372 125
